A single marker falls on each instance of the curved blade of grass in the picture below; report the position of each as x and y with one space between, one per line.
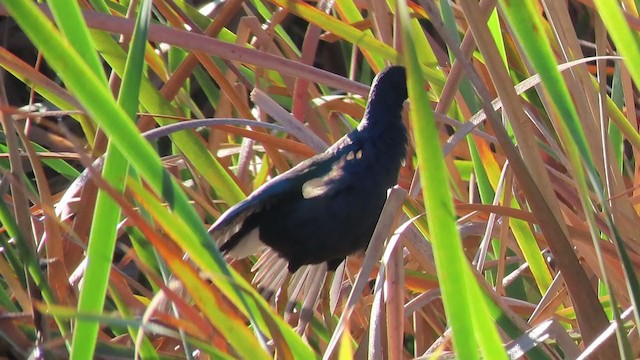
154 102
470 322
189 144
99 103
242 340
102 238
628 44
176 228
450 260
527 24
229 324
486 168
69 19
485 190
29 262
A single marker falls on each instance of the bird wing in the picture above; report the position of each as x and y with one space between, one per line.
310 178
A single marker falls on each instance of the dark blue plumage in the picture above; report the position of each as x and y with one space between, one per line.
326 207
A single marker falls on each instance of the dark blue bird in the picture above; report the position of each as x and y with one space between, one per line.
326 207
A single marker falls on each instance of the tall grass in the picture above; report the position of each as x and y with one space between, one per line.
512 232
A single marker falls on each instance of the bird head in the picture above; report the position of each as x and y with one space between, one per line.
387 95
390 84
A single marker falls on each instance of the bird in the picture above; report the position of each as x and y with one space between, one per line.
326 207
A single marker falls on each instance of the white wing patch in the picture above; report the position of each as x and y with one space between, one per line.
320 186
314 187
351 155
249 245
